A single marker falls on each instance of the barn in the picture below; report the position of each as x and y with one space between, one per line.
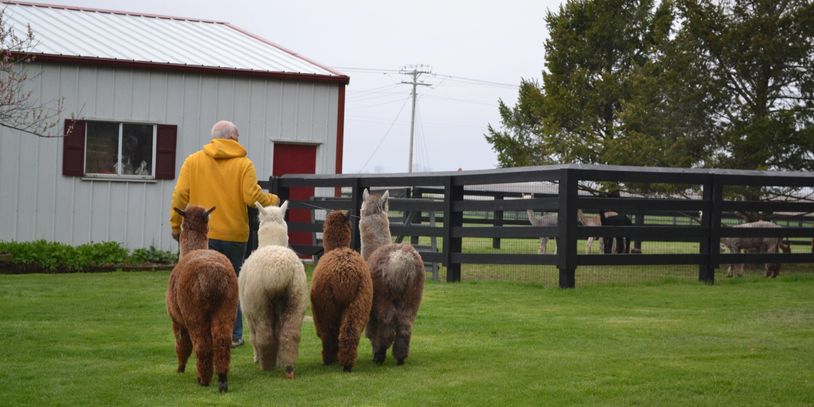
139 93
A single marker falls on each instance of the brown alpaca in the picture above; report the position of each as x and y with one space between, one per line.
201 300
341 294
398 281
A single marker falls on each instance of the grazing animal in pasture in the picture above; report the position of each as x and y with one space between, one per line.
592 220
274 293
622 243
757 244
202 296
548 220
341 293
398 281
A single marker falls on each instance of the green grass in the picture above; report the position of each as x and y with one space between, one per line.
105 339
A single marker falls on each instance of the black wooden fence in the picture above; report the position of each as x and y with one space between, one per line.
454 197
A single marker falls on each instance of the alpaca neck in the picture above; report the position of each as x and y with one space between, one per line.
193 240
271 236
375 233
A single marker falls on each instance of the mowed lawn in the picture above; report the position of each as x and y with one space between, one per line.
105 339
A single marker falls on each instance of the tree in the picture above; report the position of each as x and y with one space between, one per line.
759 58
19 110
601 60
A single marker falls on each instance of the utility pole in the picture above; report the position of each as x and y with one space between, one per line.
415 71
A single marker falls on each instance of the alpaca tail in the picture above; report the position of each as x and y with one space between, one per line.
533 218
353 321
602 217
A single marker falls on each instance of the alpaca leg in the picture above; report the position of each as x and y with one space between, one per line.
589 245
202 342
183 346
383 333
289 335
353 321
543 245
326 320
401 346
222 325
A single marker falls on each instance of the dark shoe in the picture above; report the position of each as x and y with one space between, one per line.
237 342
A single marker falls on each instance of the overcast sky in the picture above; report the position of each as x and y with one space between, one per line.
477 51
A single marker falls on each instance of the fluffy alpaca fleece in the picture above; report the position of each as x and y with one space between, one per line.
756 244
341 294
201 300
398 281
273 293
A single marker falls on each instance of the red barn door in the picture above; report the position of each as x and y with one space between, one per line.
297 159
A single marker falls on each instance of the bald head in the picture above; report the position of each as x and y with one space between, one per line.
225 129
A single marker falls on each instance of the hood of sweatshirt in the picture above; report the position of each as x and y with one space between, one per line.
223 148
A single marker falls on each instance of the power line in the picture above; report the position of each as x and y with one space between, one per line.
415 71
375 150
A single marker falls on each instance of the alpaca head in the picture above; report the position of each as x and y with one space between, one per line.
273 230
336 230
373 204
194 227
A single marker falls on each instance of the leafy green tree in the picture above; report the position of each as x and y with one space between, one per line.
759 58
600 58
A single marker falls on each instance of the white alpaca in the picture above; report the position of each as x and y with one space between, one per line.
549 220
274 293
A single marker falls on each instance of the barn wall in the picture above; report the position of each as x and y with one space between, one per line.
38 202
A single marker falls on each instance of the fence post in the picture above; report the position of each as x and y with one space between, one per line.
353 213
452 220
498 222
711 221
567 228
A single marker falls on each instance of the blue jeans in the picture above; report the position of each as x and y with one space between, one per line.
235 252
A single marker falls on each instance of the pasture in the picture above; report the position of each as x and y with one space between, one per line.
105 339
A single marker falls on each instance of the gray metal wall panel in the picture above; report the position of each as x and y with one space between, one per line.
38 202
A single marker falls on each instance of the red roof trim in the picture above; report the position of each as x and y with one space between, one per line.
108 11
342 80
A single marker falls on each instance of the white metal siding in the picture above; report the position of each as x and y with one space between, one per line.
38 202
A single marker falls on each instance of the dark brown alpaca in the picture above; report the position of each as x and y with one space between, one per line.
398 281
201 300
341 294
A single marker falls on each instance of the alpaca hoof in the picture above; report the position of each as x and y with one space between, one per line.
202 382
378 357
399 362
223 387
181 369
347 368
289 372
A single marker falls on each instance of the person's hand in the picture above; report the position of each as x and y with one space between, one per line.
176 236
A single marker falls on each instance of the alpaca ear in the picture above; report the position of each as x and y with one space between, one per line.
365 194
284 207
260 207
180 212
346 214
212 209
385 200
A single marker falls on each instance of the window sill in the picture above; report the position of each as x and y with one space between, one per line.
102 178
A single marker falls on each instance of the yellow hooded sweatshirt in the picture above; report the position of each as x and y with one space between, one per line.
220 175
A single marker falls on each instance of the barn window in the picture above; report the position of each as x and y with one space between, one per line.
97 149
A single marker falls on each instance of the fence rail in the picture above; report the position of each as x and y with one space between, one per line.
452 196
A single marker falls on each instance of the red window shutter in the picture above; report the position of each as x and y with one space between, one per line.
165 151
73 148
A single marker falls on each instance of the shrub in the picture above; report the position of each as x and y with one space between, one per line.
53 257
152 255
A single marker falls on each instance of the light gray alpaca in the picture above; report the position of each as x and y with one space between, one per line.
549 220
397 271
757 244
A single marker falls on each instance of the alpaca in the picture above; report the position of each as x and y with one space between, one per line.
201 300
398 281
341 293
590 221
273 293
759 244
622 242
542 221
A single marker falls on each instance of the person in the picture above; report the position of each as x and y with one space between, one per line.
221 176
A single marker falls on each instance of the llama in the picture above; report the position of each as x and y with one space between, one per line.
201 300
341 294
622 243
273 293
398 281
549 220
759 244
